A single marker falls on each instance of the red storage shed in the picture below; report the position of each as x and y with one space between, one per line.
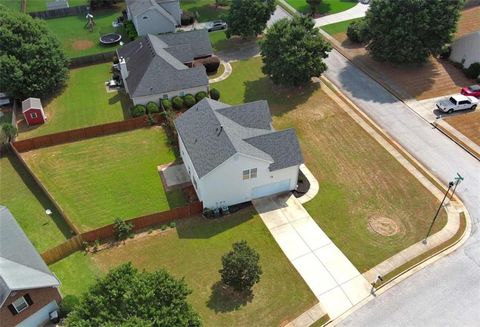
33 111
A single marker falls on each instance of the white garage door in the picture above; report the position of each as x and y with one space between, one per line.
269 189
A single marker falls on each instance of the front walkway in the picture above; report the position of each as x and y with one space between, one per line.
333 279
355 12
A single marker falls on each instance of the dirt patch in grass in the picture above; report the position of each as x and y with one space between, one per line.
82 44
468 124
383 226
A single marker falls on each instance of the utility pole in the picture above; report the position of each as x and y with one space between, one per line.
450 185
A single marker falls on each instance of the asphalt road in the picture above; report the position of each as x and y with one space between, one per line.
446 293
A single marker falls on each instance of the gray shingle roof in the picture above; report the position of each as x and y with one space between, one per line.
31 103
213 131
21 267
155 67
197 39
138 7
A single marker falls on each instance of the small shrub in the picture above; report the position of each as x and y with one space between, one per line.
445 52
200 95
130 30
85 246
150 230
357 31
138 110
211 64
151 120
214 94
152 107
166 104
172 224
187 18
189 101
177 102
68 304
96 245
123 230
163 227
473 71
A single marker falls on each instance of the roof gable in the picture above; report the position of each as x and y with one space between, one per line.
31 103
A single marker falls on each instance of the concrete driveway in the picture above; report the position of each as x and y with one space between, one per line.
333 279
447 292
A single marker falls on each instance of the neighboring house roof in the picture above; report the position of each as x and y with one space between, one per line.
155 66
31 103
138 7
212 132
21 267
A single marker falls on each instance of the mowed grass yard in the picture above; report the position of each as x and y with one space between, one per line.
78 41
11 4
358 178
83 102
100 179
20 194
327 7
193 250
206 9
41 5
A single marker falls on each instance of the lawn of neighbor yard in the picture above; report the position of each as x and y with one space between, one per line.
340 27
193 250
327 7
359 180
26 201
99 179
83 102
11 4
78 41
206 9
41 5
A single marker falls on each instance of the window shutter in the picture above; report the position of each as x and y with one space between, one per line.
28 299
12 309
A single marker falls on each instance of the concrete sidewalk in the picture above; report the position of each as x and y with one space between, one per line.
333 279
355 12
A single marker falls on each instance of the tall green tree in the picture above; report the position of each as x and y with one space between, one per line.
248 18
293 52
32 62
128 297
241 269
314 4
409 31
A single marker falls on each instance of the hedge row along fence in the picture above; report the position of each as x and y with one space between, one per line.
84 133
108 232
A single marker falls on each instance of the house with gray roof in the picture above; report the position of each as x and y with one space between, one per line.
155 67
154 16
28 289
234 155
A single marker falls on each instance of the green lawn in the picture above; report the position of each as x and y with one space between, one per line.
358 178
99 179
83 102
326 7
193 250
41 5
205 8
12 4
28 204
340 27
76 40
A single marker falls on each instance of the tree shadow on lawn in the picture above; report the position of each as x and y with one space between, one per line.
203 228
280 99
207 12
224 299
40 196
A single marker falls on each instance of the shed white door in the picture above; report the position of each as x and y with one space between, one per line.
269 189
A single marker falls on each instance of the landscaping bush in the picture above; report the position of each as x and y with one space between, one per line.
200 95
187 18
189 101
473 71
214 94
357 31
211 64
130 30
138 110
122 229
177 102
152 107
166 104
445 52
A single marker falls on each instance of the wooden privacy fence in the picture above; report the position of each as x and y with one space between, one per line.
107 232
92 59
83 133
57 13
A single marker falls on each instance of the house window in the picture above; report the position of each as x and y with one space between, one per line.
253 173
20 304
246 174
33 115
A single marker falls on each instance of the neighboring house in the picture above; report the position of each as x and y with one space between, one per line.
234 155
28 289
466 50
33 111
154 16
155 67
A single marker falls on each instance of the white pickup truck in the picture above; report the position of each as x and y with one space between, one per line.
457 102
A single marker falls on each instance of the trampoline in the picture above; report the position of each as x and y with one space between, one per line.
110 38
